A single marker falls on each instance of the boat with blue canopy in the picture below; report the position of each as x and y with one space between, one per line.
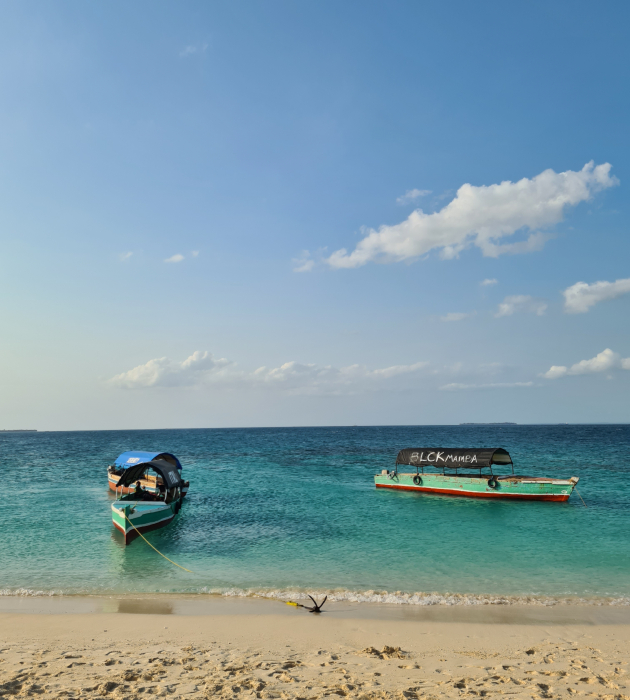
150 481
137 509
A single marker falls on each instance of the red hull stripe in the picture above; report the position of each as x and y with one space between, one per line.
480 494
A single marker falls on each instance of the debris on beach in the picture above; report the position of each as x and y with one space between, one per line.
386 652
317 607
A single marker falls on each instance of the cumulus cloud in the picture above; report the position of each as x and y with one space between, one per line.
521 303
488 282
178 257
454 316
201 368
603 362
412 195
499 385
124 257
164 372
579 297
304 263
481 216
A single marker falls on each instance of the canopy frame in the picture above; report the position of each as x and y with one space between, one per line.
169 473
454 458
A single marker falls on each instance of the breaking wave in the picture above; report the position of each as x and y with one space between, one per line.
343 595
422 599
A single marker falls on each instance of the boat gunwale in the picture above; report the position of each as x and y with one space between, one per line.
153 507
508 477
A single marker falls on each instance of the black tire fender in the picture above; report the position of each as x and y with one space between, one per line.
492 482
417 480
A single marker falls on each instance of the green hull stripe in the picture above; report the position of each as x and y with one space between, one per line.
475 487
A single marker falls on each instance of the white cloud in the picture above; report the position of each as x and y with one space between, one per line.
521 303
124 257
193 49
603 362
555 371
195 253
412 195
313 378
201 368
500 385
579 297
481 216
454 316
488 282
304 263
178 257
164 372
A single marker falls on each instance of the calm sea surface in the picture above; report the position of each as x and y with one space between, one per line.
281 510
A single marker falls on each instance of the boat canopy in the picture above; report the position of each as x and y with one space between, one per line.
453 458
166 470
127 459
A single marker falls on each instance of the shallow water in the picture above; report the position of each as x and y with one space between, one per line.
279 510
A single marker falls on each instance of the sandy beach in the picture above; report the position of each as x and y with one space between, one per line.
263 649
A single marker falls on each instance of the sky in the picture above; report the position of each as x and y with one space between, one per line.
244 213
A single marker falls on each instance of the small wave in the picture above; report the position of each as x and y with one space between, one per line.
344 595
421 599
28 592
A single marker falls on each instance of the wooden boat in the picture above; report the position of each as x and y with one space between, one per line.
150 482
461 479
143 511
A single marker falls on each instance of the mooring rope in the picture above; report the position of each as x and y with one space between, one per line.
580 495
152 547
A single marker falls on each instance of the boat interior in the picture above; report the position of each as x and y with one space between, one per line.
159 491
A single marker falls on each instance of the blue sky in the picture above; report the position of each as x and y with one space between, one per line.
177 180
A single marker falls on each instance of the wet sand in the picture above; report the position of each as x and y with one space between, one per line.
198 647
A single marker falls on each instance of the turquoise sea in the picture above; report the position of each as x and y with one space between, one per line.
275 511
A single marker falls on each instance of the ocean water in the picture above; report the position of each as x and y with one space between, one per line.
280 512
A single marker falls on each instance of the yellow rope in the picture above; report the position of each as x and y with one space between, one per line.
152 547
580 495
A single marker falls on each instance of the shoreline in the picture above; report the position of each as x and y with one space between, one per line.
362 597
206 605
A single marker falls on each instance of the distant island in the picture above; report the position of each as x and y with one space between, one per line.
19 430
506 423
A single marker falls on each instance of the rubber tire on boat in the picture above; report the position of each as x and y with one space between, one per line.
492 482
417 480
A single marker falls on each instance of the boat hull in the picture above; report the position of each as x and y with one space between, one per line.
132 518
517 488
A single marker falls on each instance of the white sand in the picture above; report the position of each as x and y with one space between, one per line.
294 654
